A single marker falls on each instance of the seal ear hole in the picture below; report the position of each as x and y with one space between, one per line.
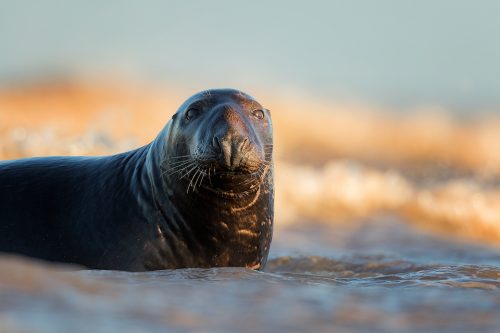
191 113
259 114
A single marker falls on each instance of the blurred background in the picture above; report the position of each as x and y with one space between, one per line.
386 120
393 53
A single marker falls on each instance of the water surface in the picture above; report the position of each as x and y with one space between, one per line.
381 276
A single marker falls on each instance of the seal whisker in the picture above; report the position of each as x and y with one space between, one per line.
175 168
174 164
251 179
187 173
196 178
200 178
177 163
178 156
209 179
178 168
201 181
179 160
192 178
189 184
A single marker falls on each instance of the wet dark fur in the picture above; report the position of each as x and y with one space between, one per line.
200 195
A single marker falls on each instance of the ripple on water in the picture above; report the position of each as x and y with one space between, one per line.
360 293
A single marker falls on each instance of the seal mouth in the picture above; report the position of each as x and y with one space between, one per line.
206 172
234 185
233 180
245 179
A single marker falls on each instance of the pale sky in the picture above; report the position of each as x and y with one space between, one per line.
443 52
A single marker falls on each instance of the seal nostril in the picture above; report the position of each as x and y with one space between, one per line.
216 144
245 143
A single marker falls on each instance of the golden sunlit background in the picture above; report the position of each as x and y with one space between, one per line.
386 120
387 107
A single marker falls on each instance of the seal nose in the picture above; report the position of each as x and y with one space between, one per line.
231 150
231 140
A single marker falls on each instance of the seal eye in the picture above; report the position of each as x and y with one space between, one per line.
259 114
191 113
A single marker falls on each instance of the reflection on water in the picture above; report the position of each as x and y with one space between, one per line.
382 224
370 289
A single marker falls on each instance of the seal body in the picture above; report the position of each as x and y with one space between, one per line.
200 195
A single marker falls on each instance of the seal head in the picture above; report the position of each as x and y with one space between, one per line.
217 175
224 136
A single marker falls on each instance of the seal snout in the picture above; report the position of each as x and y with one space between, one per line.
232 150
